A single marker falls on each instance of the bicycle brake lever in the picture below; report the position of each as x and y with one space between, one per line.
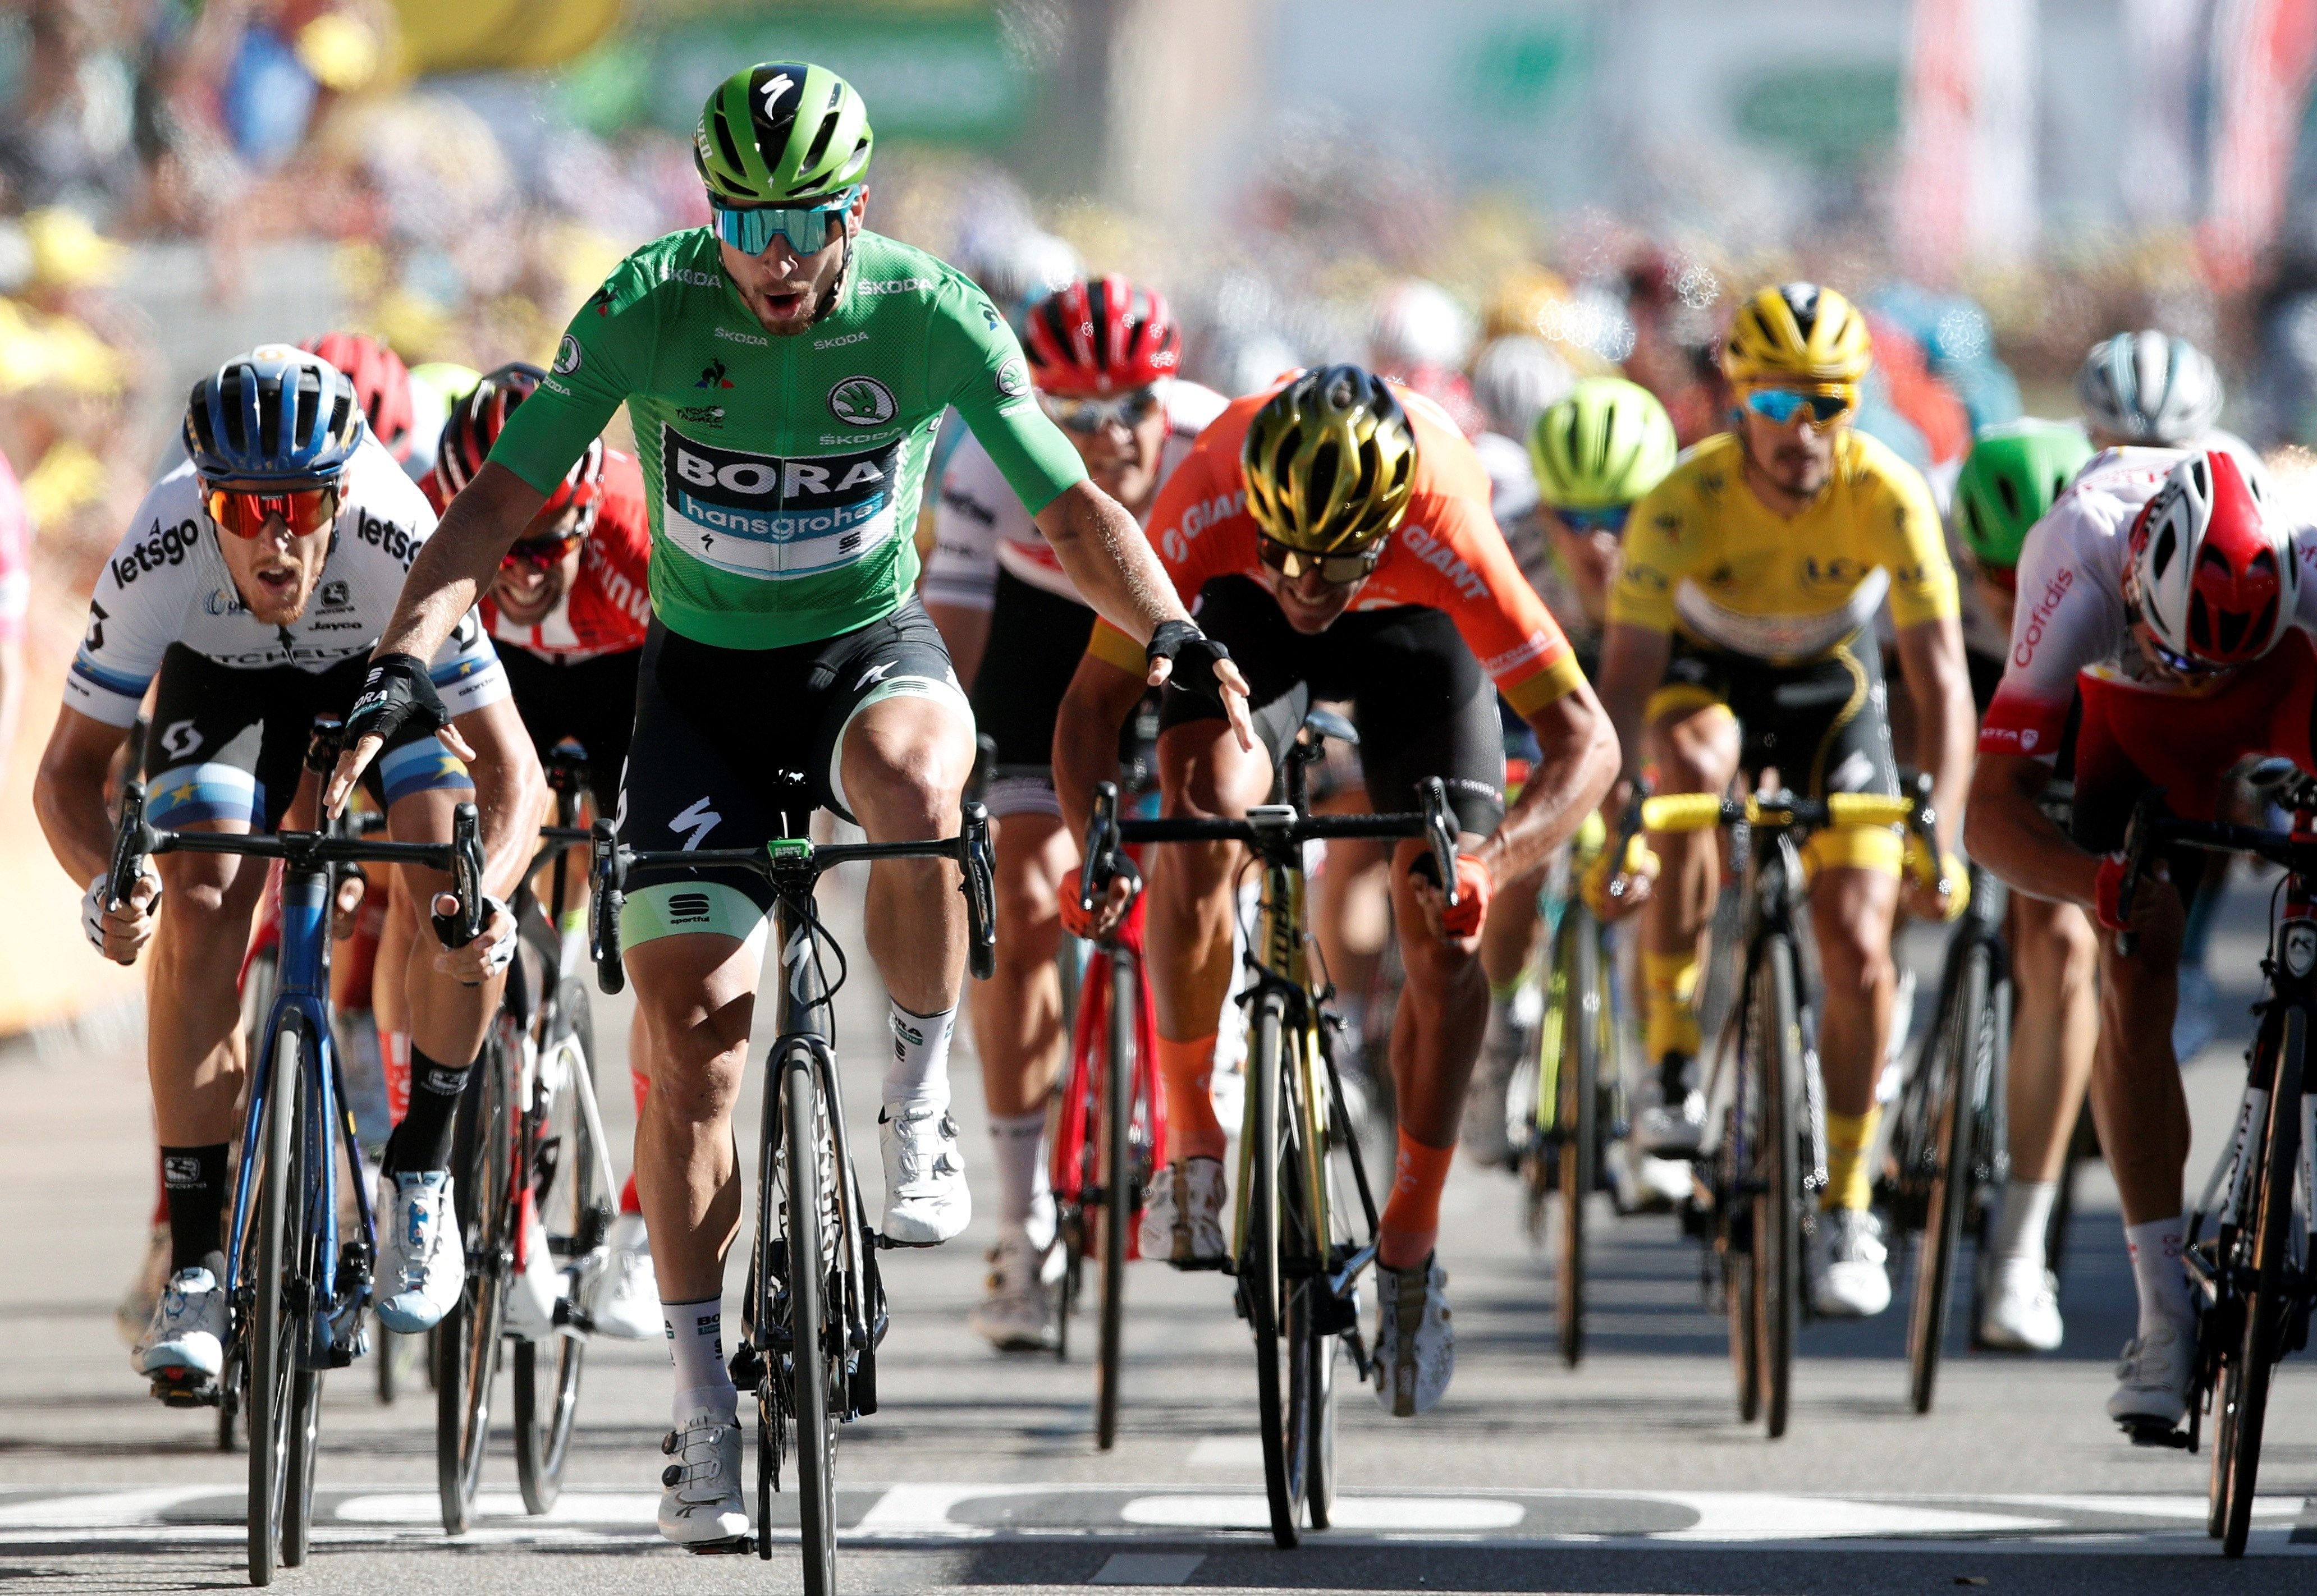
132 841
1440 831
462 927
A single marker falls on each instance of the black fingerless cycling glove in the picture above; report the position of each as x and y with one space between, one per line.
1195 654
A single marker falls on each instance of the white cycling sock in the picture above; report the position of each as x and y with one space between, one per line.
2026 1215
919 1073
2156 1271
1025 1199
695 1340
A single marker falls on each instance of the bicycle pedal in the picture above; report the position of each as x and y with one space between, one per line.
2156 1432
185 1387
731 1546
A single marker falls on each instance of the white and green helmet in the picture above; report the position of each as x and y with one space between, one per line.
782 133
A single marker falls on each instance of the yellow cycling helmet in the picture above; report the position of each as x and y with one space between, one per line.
1797 333
1329 461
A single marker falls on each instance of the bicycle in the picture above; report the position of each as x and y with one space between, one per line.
814 1311
1949 1148
2246 1251
534 1169
1767 1162
295 1294
1296 1254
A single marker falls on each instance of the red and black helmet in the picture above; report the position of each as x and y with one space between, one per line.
381 384
1101 336
474 426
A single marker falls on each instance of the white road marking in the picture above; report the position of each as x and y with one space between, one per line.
1726 1516
1227 1451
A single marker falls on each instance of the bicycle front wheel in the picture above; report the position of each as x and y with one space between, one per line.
1259 1274
1116 1173
1966 1042
576 1214
2236 1457
467 1340
1582 1013
273 1337
809 1301
1773 1043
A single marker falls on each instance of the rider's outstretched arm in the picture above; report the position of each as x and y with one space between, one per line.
2006 830
1577 763
1107 556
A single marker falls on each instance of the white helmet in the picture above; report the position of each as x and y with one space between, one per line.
2214 570
1419 323
2149 388
1517 378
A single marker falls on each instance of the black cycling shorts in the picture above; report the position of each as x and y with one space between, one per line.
228 744
1036 639
592 701
1418 699
735 746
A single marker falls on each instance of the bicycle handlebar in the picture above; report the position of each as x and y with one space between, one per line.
2151 827
1784 811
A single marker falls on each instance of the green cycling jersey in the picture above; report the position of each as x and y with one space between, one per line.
783 473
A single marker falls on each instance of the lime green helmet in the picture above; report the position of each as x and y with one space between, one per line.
1607 444
2009 479
782 133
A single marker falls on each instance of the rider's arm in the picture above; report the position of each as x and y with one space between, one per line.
1101 696
2007 832
510 789
1576 764
1931 659
1109 560
456 566
1634 660
68 792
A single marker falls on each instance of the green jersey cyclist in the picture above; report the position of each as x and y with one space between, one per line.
785 371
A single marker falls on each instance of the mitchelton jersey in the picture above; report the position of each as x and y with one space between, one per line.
782 475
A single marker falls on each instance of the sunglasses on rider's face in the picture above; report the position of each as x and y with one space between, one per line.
1608 518
1337 570
1091 415
808 228
542 553
2180 665
1779 406
244 513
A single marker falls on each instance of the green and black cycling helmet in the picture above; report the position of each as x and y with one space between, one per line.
2009 479
782 133
1605 444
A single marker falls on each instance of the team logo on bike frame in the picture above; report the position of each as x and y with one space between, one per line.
862 402
2300 947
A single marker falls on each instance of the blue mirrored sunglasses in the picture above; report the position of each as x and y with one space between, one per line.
1778 406
1608 518
751 231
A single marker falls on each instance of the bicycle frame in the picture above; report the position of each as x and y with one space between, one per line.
1768 895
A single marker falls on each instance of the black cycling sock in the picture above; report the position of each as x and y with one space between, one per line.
194 1179
1673 1072
422 1142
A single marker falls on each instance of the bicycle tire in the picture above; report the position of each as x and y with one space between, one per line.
2265 1306
1577 1118
279 1202
1775 1016
1116 1173
574 1211
305 1383
809 1353
467 1340
1312 1353
1259 1275
1966 1033
305 1443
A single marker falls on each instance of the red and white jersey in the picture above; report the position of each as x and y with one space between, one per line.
979 527
2069 616
608 606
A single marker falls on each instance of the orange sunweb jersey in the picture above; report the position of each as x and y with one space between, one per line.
1446 554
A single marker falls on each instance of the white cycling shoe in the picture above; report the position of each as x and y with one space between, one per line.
1853 1273
627 1298
700 1502
1182 1215
2022 1311
1666 1126
184 1341
1415 1348
926 1199
2152 1378
422 1261
1016 1310
134 1312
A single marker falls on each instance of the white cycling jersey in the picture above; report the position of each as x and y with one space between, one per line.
167 582
2068 615
981 528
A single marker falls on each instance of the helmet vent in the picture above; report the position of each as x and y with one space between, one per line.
2235 624
2266 628
2166 544
725 144
338 415
1324 459
821 140
1802 299
2009 491
305 403
2200 628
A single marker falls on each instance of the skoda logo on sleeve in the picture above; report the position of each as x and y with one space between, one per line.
567 356
862 402
1014 379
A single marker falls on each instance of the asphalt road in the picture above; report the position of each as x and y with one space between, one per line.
1629 1475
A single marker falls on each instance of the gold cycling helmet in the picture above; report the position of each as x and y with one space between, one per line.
1329 461
1799 333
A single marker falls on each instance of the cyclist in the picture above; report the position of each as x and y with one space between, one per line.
252 582
2163 591
1104 354
1336 532
1590 454
785 370
2012 476
382 388
1747 595
568 610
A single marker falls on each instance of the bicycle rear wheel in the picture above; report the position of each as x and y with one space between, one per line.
2236 1457
467 1340
576 1214
1774 1043
810 1307
1116 1173
1259 1275
273 1338
1966 1041
1577 1119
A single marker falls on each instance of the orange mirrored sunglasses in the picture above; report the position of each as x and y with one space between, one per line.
245 515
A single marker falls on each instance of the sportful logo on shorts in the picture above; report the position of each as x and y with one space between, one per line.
687 908
862 402
761 515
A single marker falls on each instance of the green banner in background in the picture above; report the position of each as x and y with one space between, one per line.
945 76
